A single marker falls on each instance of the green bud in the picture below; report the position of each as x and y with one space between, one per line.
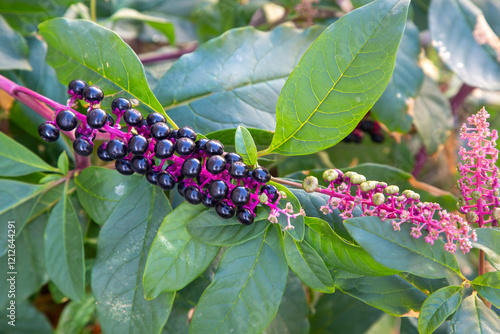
471 217
263 198
496 214
378 198
367 186
358 179
350 175
391 190
310 184
330 175
475 194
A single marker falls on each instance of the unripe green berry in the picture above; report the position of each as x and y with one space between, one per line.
496 193
358 179
263 198
350 174
475 195
330 175
391 190
471 217
310 184
378 198
496 214
367 186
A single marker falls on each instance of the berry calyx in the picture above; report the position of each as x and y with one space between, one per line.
83 147
48 132
132 117
240 195
184 146
261 175
164 149
216 164
187 132
224 210
139 164
245 216
238 170
138 145
116 149
160 131
97 118
66 120
218 190
166 181
120 104
213 147
191 168
93 94
76 87
193 195
123 167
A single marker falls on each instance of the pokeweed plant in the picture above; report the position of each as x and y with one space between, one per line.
200 213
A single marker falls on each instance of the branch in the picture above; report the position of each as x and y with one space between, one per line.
167 55
457 101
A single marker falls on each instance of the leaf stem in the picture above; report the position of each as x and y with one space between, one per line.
167 55
481 271
420 159
93 10
457 100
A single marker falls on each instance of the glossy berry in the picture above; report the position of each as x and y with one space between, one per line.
155 118
103 154
213 147
199 144
132 117
138 145
240 195
164 149
83 147
238 170
181 186
66 120
216 164
208 201
232 157
245 216
184 146
93 94
49 132
152 176
116 149
166 181
218 190
173 134
76 87
224 210
123 167
109 122
191 168
140 164
186 132
367 126
160 131
271 192
261 175
377 137
120 104
193 195
97 118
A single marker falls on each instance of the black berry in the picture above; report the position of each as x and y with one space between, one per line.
216 164
377 137
76 87
138 145
184 146
208 201
181 186
240 195
120 104
97 118
140 164
261 175
245 216
132 117
271 191
123 167
49 132
152 176
116 149
186 132
232 157
160 131
367 126
93 94
164 149
199 144
218 190
166 181
191 168
83 147
66 120
173 134
155 118
193 195
238 170
224 210
103 154
213 147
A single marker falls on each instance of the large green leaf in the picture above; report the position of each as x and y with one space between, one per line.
395 106
83 49
488 240
209 228
299 227
308 265
399 250
488 287
13 50
28 320
438 307
176 258
75 316
63 249
339 78
473 317
242 73
245 146
247 289
459 30
122 249
17 160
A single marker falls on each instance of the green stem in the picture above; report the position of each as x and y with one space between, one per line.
93 10
481 271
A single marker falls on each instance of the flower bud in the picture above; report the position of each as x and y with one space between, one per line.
330 175
471 217
367 186
263 198
391 190
475 194
358 179
496 214
310 184
350 175
378 198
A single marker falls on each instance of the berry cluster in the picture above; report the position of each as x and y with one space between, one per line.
372 128
199 168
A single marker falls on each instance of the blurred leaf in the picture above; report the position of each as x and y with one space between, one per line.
245 146
491 11
13 50
227 136
488 240
439 306
459 30
421 13
63 163
298 223
232 94
473 317
28 320
488 287
246 292
75 316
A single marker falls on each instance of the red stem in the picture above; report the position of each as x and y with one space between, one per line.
460 97
420 159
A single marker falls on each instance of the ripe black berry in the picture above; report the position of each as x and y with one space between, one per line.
367 126
152 176
184 146
110 120
120 104
224 210
216 164
93 94
76 87
271 191
245 216
166 181
132 117
103 154
232 157
218 190
160 131
66 120
377 137
240 195
138 145
123 167
97 118
173 134
155 118
116 149
238 170
199 144
213 147
83 147
191 168
164 149
139 164
49 132
261 175
186 132
181 186
193 195
208 201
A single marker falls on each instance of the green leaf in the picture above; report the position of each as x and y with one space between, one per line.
438 307
17 160
308 265
299 227
247 289
488 287
488 240
75 316
14 48
209 228
339 78
338 253
395 106
83 49
245 146
292 316
122 249
433 118
399 250
458 29
473 317
28 320
63 163
227 136
341 313
165 26
63 249
175 258
233 94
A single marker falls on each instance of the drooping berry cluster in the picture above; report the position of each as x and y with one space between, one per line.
372 128
479 185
